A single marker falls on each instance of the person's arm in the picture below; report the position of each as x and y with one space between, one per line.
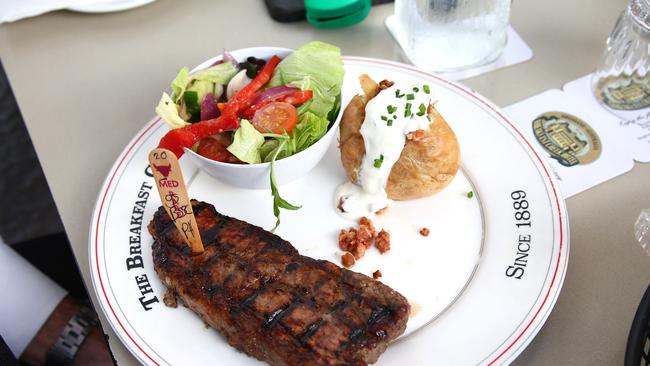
35 314
92 351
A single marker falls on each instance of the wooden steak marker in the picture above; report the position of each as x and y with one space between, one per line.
173 195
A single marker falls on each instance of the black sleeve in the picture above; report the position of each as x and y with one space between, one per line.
6 357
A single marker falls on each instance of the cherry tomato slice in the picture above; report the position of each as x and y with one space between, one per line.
212 149
275 117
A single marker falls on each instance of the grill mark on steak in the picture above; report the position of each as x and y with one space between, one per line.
272 303
208 235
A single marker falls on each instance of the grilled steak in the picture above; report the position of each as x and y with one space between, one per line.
271 302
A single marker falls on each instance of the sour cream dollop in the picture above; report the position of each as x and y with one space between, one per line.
390 117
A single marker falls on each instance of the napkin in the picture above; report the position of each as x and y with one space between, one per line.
12 10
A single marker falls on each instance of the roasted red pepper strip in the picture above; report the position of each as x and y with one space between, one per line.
295 98
244 97
176 139
187 136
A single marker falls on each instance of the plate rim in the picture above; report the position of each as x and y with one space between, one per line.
558 205
108 6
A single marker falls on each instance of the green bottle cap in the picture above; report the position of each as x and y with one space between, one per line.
336 13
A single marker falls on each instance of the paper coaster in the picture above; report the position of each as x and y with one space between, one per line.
633 124
516 51
584 145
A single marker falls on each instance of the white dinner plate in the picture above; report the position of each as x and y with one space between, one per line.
109 6
480 285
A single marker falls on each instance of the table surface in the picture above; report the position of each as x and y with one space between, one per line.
86 84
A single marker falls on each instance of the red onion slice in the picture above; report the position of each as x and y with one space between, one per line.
274 93
226 56
209 108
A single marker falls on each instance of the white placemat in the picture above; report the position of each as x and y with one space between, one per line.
583 145
633 126
585 141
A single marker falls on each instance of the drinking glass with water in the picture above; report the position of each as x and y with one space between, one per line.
451 35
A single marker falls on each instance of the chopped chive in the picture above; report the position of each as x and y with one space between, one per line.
384 118
397 93
391 109
379 161
423 110
394 116
408 106
470 194
410 96
416 89
407 113
390 122
425 87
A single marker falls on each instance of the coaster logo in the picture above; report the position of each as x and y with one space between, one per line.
568 139
624 92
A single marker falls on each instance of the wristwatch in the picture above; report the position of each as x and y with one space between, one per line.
73 335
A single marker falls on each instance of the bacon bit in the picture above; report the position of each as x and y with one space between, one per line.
376 274
355 242
415 135
347 238
385 84
347 260
365 236
382 241
358 251
366 232
424 231
364 221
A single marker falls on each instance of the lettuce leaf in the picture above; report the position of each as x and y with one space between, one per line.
180 83
202 88
168 111
310 128
218 74
246 143
277 148
318 67
202 82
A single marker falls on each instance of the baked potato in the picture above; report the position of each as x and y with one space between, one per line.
428 162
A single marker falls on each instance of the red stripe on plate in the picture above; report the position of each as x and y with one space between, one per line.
99 214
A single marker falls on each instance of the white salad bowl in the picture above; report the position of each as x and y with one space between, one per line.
257 176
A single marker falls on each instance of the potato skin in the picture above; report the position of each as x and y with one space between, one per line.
425 166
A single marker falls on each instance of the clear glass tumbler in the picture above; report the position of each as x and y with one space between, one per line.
622 80
451 35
